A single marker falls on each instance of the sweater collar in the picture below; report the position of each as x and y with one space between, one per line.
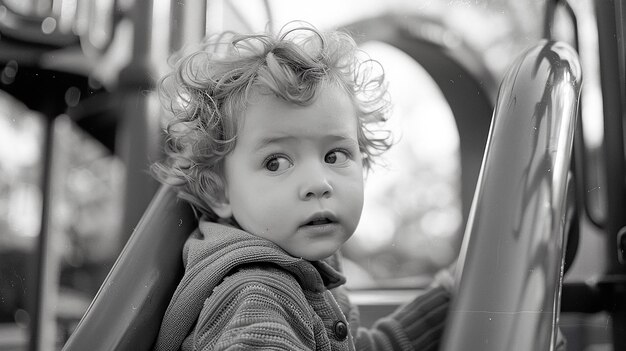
229 247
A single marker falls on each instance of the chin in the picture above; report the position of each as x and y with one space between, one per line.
318 255
315 250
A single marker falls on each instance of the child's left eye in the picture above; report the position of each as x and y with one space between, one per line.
336 156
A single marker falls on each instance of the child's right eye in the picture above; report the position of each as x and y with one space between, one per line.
277 163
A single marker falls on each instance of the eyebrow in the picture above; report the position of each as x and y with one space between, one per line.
264 142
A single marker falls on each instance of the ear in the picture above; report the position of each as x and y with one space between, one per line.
222 207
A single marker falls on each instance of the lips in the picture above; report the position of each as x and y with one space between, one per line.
320 219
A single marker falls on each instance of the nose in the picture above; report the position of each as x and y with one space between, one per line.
315 185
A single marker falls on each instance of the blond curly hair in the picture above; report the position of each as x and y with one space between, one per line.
209 88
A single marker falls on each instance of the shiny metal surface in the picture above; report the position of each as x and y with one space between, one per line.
127 311
511 262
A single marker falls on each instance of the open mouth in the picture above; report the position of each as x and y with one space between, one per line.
320 221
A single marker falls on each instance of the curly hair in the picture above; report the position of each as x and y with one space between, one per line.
209 88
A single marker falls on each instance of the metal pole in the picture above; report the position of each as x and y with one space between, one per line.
610 16
137 140
43 327
187 23
512 256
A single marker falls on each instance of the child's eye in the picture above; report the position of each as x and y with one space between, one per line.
336 156
277 163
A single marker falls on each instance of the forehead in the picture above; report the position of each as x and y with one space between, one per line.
332 112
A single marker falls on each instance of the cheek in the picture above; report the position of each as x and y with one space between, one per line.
259 209
358 202
354 197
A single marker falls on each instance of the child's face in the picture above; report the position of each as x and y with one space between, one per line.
295 176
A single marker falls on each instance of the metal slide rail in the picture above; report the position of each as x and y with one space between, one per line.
127 311
511 265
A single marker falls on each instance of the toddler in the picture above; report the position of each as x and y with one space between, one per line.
270 141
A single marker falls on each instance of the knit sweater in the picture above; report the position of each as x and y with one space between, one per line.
243 292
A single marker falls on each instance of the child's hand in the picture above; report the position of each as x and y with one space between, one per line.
445 278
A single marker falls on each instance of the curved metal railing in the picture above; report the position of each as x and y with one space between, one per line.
511 264
127 311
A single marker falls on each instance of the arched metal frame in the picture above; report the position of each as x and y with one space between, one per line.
470 94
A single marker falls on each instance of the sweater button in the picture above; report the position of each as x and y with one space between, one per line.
341 330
